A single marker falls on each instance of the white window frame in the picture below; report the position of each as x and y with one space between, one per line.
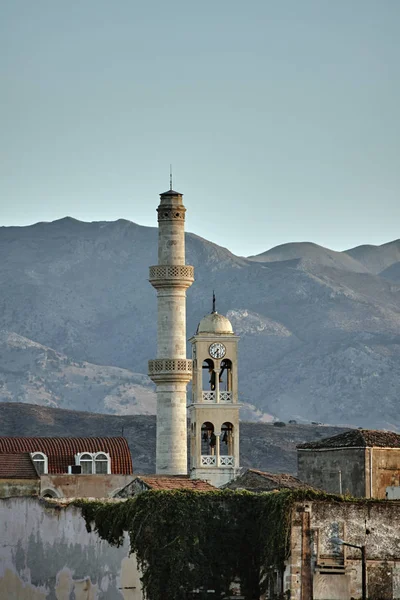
107 457
44 458
93 455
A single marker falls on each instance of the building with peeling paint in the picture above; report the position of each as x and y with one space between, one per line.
47 553
319 570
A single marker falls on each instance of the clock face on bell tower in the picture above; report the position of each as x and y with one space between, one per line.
217 350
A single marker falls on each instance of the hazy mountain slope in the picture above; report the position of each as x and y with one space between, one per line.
311 252
392 273
262 445
33 373
376 258
81 288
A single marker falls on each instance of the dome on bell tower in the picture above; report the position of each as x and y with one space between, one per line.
215 323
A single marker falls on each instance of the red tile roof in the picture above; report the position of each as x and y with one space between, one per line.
365 438
17 466
162 482
61 451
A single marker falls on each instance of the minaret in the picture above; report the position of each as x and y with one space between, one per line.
171 371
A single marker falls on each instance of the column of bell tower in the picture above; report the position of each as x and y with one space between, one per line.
171 371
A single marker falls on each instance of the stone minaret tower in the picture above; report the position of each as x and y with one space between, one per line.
171 371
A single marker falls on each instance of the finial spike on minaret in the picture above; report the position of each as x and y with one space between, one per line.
213 304
170 177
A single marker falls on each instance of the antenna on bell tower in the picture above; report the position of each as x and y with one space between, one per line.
213 303
170 177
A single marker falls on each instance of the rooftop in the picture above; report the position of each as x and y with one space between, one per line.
17 466
215 323
366 438
60 451
261 481
163 482
171 193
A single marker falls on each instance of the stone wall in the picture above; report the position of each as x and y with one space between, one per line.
320 571
324 468
19 487
46 553
83 486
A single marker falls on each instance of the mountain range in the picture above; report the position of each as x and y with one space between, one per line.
262 445
319 330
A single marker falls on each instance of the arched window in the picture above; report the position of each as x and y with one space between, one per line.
40 462
48 493
226 446
208 375
101 462
208 439
225 375
86 462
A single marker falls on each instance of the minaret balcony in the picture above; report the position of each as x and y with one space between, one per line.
170 369
211 397
171 276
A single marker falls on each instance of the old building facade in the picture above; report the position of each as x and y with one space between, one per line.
318 569
363 463
66 467
18 475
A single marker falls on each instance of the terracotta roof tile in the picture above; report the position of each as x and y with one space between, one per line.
366 438
61 451
17 466
162 482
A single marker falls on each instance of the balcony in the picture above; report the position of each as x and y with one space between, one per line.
224 397
211 461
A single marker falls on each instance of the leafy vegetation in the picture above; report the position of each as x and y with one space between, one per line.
186 540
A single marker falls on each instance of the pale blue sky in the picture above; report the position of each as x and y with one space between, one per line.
281 118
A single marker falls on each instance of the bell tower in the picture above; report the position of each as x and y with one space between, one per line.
214 408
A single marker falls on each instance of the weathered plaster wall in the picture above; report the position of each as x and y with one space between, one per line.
83 486
385 470
19 487
46 553
320 468
317 570
133 488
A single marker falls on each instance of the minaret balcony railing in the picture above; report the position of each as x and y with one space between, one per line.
170 369
211 397
166 275
223 461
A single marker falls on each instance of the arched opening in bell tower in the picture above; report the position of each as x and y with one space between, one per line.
225 376
208 439
226 446
208 380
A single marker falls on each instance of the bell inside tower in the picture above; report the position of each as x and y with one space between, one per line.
208 375
225 375
226 445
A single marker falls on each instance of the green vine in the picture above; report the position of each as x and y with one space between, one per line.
186 540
